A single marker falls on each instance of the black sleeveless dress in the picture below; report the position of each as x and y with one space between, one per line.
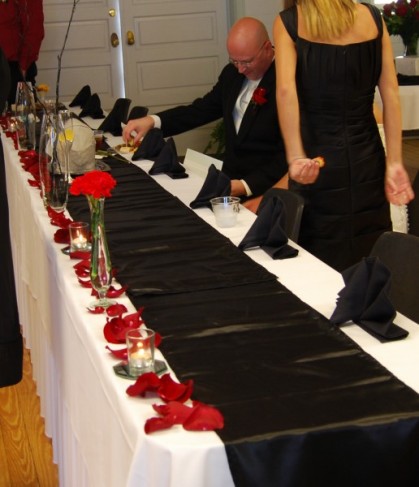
346 208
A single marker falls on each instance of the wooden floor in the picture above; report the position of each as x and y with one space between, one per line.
411 155
25 452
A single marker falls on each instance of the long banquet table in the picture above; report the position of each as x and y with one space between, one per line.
331 407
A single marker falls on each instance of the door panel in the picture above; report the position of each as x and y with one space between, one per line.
89 57
178 53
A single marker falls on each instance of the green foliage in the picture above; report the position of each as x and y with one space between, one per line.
216 144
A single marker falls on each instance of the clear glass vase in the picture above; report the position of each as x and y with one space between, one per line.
25 116
411 45
54 150
100 261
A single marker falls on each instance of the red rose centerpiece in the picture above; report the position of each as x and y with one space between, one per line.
402 18
96 186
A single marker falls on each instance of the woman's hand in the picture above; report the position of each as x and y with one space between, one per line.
304 170
397 184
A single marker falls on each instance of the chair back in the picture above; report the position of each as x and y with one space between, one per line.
413 209
400 253
294 206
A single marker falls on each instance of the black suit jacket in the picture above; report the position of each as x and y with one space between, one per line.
256 153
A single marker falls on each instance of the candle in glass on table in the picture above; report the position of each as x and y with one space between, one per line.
140 347
79 236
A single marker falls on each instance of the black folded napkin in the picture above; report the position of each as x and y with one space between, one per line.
167 162
92 108
137 112
151 145
116 116
82 97
216 184
267 231
407 80
364 300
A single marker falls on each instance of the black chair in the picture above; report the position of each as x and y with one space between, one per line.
294 206
413 209
400 253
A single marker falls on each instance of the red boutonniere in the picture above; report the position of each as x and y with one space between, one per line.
259 96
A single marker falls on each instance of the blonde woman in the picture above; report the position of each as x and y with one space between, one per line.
331 55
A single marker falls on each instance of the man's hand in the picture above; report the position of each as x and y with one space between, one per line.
237 188
137 128
252 204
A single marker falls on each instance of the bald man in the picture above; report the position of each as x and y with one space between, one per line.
254 157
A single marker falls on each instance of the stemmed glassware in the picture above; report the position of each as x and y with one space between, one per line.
100 261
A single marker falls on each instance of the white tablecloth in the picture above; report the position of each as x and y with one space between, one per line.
97 430
409 103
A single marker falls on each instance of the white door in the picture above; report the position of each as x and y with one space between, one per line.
177 52
89 57
173 53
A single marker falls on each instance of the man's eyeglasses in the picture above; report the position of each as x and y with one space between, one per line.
246 64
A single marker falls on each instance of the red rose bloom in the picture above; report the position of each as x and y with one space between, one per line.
97 184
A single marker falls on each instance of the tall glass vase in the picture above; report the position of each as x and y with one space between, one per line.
54 150
25 116
100 261
411 45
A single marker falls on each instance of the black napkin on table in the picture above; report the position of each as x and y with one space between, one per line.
364 300
216 184
167 162
137 112
267 231
407 80
92 108
82 97
116 116
151 145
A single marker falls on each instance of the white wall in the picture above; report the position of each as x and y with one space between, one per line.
264 10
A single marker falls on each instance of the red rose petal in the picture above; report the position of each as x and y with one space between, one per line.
121 354
116 293
204 418
85 283
116 310
80 254
157 424
134 320
84 264
148 382
62 236
174 391
34 184
176 411
82 272
115 330
157 339
96 310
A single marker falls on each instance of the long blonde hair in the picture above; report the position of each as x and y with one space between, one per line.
327 19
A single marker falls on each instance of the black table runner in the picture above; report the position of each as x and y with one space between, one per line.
303 404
